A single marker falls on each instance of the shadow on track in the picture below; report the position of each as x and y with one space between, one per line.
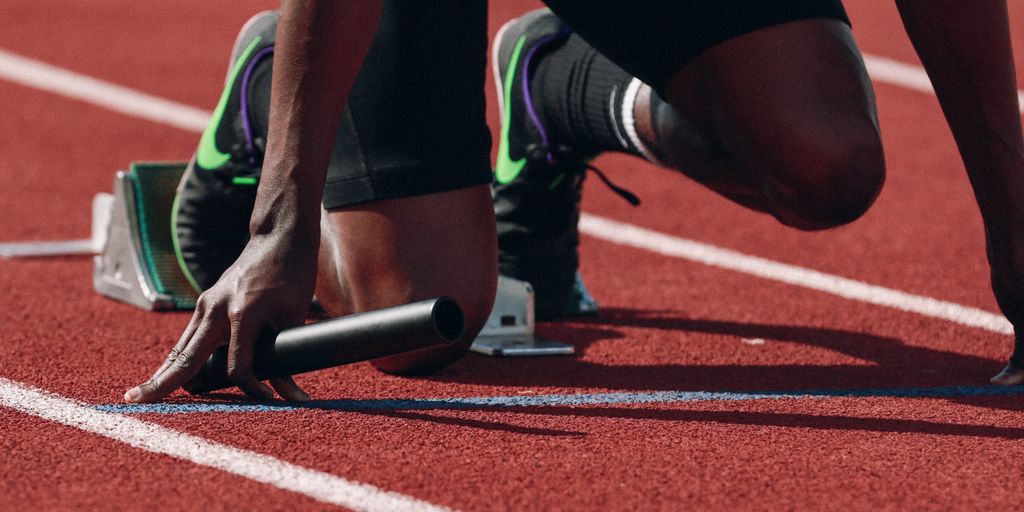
788 420
891 362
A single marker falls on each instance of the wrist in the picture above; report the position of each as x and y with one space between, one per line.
285 211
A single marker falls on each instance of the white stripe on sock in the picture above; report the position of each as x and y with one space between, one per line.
629 123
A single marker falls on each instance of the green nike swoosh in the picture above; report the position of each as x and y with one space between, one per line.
209 156
506 169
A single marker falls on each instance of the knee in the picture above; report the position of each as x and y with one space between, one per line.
476 300
835 183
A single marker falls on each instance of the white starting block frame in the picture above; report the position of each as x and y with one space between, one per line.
509 330
102 205
136 264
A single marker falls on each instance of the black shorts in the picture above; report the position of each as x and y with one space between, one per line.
416 123
416 118
654 39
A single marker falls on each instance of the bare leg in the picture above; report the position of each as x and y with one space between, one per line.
395 251
781 120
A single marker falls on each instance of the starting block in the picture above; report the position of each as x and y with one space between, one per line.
137 263
509 330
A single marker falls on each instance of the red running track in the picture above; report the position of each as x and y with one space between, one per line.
669 325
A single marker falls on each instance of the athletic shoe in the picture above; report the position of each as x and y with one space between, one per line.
538 181
210 221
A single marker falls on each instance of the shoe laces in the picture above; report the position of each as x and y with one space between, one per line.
554 158
250 153
624 193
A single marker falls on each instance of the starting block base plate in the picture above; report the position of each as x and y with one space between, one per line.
518 346
509 331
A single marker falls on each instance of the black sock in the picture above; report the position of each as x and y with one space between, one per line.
579 95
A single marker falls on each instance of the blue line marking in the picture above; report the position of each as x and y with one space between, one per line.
560 400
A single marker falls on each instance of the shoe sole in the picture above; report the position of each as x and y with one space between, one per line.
237 45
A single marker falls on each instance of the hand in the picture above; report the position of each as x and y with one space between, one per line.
1012 375
270 286
1008 285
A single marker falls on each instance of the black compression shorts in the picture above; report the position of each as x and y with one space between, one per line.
653 39
415 123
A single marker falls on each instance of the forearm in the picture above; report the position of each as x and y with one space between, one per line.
320 49
965 47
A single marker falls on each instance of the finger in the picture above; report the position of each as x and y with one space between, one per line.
289 390
203 306
240 354
1012 375
189 361
190 330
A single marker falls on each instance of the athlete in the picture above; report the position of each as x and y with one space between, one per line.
765 102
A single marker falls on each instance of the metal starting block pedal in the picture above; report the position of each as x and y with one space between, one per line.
137 263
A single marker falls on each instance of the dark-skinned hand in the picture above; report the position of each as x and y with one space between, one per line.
270 286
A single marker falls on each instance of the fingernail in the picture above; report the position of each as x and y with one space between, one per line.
133 395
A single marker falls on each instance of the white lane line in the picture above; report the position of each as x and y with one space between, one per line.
40 75
254 466
909 76
43 248
660 243
881 69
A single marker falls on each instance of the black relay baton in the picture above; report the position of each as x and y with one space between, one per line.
344 340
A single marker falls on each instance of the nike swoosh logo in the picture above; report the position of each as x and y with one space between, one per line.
506 169
209 156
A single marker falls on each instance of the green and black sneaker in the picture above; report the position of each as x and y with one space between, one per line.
538 182
210 221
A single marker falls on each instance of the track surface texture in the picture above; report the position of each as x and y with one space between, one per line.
698 387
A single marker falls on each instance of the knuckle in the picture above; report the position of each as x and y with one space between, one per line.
208 302
204 302
236 314
184 359
173 354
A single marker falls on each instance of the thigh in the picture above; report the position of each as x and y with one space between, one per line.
790 101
